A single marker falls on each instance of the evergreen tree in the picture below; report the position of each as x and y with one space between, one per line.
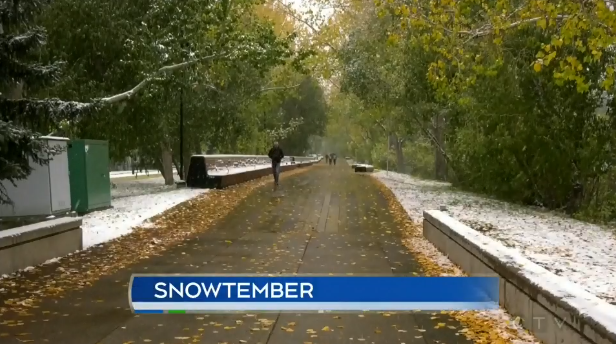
20 117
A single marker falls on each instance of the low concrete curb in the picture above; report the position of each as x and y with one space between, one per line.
554 309
34 244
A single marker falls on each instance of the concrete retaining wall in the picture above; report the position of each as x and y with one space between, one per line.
242 177
32 245
553 308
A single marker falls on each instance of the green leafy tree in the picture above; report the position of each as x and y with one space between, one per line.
308 104
210 57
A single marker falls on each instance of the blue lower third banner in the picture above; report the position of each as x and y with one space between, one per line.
222 293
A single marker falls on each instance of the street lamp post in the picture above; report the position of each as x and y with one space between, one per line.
185 46
181 171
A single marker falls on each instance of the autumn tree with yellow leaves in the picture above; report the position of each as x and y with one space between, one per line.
470 34
522 92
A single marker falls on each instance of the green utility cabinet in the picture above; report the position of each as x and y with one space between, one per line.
88 165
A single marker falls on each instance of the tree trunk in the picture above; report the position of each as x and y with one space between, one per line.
187 154
397 143
400 156
440 161
15 91
176 165
167 162
197 145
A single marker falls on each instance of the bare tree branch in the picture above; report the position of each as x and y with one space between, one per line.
314 30
163 70
488 29
432 138
278 88
283 132
381 125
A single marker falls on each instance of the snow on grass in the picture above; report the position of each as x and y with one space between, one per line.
570 294
124 174
140 186
580 252
129 212
479 325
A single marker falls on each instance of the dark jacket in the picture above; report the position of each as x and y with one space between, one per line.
276 154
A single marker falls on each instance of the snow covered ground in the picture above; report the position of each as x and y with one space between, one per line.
141 186
129 212
581 252
124 174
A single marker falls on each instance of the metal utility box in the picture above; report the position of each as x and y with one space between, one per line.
46 191
88 162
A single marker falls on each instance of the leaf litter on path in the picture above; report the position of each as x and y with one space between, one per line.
81 269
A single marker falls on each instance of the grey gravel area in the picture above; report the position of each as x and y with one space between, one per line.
125 188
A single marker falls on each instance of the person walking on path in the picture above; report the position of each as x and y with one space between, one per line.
327 158
334 157
276 154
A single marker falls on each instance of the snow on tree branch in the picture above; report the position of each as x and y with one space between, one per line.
163 70
278 88
59 109
283 132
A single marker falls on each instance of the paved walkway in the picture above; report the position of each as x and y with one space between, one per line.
326 220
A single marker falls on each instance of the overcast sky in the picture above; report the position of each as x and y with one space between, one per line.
303 5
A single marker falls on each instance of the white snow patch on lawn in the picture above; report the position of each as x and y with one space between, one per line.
581 252
129 212
124 174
